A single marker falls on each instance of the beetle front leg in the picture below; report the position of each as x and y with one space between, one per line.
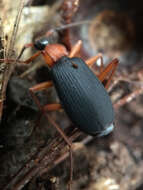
24 48
32 57
18 61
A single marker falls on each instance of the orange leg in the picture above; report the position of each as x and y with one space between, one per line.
94 59
32 57
24 48
104 73
108 72
39 87
26 62
43 86
52 107
75 49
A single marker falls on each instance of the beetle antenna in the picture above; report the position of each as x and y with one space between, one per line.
63 27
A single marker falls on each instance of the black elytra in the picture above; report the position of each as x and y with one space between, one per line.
83 96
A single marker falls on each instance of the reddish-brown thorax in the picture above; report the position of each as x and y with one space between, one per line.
54 52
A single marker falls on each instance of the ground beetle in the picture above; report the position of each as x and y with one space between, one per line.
82 94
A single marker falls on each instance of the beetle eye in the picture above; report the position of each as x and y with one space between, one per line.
41 43
107 130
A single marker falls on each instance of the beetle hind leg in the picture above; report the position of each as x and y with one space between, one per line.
108 71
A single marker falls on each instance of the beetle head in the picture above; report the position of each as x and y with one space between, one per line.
41 43
50 38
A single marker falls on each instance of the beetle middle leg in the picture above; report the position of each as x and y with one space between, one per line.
108 71
52 107
94 59
24 62
40 87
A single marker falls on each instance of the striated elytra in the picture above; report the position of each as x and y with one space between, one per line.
83 96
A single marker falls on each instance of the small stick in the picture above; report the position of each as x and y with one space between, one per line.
128 98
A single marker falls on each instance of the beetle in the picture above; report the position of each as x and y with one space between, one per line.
82 94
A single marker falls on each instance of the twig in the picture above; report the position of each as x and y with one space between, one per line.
128 98
9 52
36 165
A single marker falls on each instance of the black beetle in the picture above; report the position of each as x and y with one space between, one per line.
81 92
